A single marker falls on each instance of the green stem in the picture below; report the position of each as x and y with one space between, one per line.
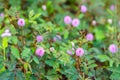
4 53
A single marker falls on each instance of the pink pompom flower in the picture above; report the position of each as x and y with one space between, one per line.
39 38
113 48
79 52
67 20
112 7
40 52
89 37
2 15
21 22
75 22
83 8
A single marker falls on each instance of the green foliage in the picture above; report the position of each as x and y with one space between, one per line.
18 59
15 52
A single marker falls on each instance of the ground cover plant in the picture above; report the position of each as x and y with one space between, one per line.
59 40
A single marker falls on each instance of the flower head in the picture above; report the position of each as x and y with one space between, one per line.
89 37
57 37
67 20
44 7
21 22
112 7
79 52
39 38
94 22
75 22
69 52
40 51
113 48
52 49
2 15
110 21
54 39
83 8
6 33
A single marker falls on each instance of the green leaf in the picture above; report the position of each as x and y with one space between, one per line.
5 42
66 33
14 39
12 29
81 16
36 59
110 12
50 62
0 47
15 52
52 75
26 66
2 69
116 73
91 62
115 76
115 69
36 16
5 75
92 66
71 73
20 75
99 34
26 52
102 57
31 13
111 62
65 58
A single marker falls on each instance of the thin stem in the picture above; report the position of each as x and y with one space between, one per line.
4 53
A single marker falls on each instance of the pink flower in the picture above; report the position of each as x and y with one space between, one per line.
67 19
57 37
54 39
40 51
21 22
89 37
79 52
83 8
69 52
39 38
112 7
113 48
2 15
75 22
6 33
